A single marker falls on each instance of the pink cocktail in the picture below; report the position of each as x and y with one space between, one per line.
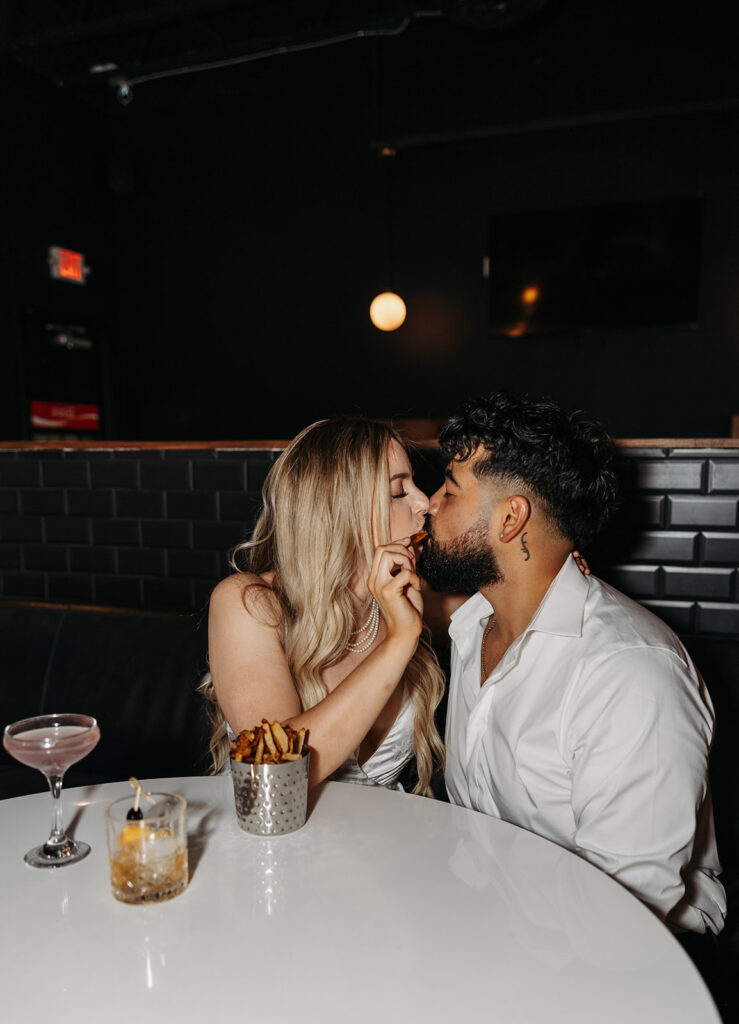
51 743
52 750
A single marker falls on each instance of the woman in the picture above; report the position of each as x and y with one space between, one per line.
323 628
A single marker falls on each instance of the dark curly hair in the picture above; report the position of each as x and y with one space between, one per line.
566 462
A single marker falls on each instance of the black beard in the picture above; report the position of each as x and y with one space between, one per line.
464 565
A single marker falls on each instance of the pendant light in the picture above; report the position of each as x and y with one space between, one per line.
387 310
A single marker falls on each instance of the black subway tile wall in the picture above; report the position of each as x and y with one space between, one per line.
668 475
144 528
723 475
664 546
701 510
720 548
678 541
152 528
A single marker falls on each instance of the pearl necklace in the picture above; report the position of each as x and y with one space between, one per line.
370 627
491 625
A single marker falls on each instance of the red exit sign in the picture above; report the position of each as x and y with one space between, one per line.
64 416
67 265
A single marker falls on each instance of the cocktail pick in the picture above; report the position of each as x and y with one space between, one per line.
135 813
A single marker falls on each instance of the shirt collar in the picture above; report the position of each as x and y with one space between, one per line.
466 623
562 608
560 612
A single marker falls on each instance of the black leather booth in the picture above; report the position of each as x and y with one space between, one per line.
134 671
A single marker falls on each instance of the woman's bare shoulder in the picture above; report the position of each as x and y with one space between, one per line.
250 593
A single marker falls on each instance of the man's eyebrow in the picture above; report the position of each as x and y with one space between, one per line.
450 476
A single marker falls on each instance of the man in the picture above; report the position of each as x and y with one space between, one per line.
572 711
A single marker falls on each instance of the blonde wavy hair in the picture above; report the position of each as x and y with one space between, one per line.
322 502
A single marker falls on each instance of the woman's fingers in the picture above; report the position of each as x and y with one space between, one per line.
389 560
405 587
399 581
581 563
395 585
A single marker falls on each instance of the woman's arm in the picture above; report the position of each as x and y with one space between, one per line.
252 679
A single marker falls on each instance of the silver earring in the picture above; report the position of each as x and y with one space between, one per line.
501 536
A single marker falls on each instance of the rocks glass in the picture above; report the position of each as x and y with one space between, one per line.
148 856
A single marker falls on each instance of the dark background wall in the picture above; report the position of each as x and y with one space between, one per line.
53 191
151 528
236 223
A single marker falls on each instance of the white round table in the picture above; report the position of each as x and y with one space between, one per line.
384 907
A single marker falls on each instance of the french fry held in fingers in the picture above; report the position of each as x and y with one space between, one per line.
269 744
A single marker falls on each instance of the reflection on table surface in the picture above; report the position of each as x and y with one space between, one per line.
384 906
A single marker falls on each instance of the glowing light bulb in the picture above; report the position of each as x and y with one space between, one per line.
387 311
530 295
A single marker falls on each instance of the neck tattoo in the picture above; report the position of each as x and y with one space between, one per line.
524 548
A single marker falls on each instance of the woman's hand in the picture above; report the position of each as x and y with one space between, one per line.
581 563
395 585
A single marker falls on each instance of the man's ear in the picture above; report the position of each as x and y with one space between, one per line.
515 514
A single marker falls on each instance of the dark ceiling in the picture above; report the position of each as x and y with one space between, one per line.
530 57
91 45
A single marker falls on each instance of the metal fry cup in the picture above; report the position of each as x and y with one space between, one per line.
271 799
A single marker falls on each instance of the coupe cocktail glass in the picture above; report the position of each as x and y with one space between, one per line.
52 743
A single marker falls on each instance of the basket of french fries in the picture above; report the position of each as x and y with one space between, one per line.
269 770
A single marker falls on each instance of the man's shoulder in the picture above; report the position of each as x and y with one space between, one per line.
613 622
630 668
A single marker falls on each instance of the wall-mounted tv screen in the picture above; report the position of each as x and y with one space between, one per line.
614 267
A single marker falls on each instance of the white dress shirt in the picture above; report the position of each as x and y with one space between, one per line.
593 731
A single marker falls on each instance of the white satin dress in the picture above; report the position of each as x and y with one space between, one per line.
384 767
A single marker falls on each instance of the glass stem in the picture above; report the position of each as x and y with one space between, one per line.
58 835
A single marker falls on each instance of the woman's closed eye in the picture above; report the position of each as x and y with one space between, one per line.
403 494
